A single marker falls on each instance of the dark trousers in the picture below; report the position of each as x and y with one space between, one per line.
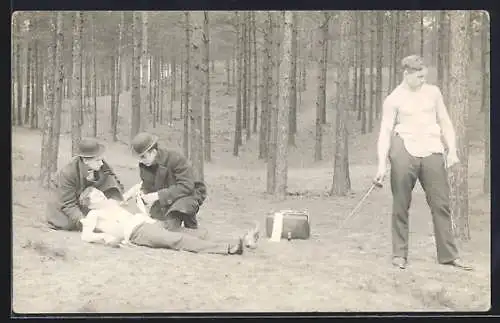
431 172
182 211
154 235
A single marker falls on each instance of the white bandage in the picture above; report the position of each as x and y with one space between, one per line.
277 227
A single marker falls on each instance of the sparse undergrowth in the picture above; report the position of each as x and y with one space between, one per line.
335 270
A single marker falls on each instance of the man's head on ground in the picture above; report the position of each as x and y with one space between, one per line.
91 197
90 151
145 146
414 71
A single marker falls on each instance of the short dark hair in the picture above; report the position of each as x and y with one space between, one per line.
412 63
84 198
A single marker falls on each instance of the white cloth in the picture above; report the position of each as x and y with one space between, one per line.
416 119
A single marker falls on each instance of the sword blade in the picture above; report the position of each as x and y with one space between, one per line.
358 205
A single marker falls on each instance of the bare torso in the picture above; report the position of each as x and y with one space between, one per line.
113 219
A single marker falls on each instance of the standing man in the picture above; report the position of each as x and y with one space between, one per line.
86 169
413 119
169 188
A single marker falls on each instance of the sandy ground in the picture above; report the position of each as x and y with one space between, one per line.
335 270
346 270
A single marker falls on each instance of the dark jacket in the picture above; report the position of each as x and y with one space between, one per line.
172 177
72 181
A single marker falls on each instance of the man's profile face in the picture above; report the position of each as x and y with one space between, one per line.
148 157
415 79
94 163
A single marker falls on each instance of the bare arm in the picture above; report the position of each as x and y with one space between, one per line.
386 127
445 123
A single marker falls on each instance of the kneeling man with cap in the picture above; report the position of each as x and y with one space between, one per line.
86 169
168 187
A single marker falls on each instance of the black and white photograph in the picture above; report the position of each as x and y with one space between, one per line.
250 161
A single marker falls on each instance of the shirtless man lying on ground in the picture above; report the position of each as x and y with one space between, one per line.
109 223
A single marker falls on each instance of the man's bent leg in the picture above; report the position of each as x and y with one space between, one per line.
155 236
186 208
173 222
58 220
190 221
434 180
404 172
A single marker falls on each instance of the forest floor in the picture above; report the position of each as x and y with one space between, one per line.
347 270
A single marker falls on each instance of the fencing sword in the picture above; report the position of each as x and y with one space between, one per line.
375 184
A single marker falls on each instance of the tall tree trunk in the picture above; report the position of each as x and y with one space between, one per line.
341 179
265 81
76 96
27 76
293 79
162 86
145 97
199 67
390 47
361 59
94 73
248 55
380 55
187 89
152 89
182 86
397 47
135 126
321 100
255 75
422 31
58 83
485 102
33 85
284 109
362 80
443 49
172 91
19 80
228 76
13 70
272 105
206 126
119 59
238 53
324 63
371 108
245 69
234 63
459 106
49 107
355 55
113 63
